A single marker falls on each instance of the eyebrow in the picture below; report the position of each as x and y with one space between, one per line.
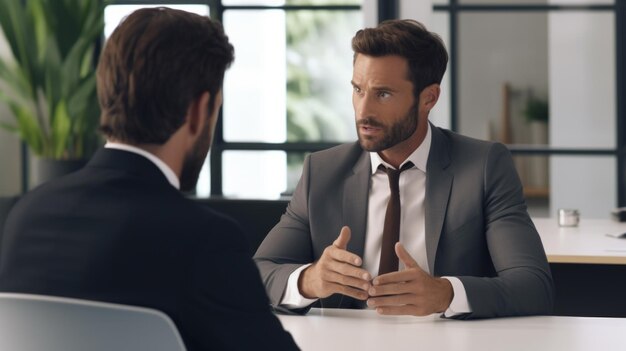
377 88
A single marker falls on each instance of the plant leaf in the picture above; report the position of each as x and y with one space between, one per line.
28 129
12 75
9 127
61 125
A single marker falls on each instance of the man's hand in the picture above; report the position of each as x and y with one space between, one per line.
337 271
411 291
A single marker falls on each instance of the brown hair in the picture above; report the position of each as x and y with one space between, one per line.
154 65
425 52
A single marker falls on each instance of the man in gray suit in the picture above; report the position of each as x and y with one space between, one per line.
444 211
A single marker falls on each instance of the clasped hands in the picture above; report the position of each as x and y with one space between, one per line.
408 292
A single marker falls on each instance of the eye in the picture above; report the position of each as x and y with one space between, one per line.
384 94
356 89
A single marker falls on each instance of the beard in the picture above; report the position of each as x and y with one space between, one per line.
194 160
392 134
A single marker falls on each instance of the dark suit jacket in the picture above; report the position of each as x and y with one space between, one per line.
477 226
117 231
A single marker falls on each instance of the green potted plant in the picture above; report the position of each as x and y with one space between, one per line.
49 82
537 110
537 113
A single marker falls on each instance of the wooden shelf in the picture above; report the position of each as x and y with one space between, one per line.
536 193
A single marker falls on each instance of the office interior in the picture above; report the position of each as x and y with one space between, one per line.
545 77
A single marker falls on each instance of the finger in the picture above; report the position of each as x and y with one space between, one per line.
394 300
401 311
348 291
398 277
392 289
343 238
341 255
341 279
405 257
349 270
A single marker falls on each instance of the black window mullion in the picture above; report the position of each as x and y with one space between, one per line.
219 144
620 70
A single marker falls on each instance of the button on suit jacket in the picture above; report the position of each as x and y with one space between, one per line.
477 226
117 231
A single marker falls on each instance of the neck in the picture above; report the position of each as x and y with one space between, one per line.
168 152
398 153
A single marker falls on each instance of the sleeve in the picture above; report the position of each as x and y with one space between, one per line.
292 297
523 285
288 245
225 307
459 304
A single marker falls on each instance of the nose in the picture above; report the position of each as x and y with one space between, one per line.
363 107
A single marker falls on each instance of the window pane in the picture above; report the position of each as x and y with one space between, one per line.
203 187
276 173
254 87
553 182
582 79
588 184
113 14
536 2
556 69
503 65
290 2
291 81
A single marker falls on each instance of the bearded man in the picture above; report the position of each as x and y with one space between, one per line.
411 219
120 230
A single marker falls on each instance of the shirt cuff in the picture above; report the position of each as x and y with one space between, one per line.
292 297
459 304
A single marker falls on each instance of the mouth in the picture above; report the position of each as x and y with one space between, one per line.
368 129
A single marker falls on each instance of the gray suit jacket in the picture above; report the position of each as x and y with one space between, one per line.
477 226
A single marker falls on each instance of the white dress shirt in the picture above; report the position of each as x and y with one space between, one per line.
412 226
172 178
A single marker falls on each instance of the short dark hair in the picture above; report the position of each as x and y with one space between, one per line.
154 65
425 52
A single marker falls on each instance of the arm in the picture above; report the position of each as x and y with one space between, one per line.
289 246
523 285
225 307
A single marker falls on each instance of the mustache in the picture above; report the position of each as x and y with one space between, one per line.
369 122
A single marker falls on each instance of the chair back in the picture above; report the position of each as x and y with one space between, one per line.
37 322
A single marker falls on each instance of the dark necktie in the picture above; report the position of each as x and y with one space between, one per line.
391 230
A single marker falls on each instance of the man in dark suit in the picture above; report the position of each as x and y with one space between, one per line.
119 230
428 221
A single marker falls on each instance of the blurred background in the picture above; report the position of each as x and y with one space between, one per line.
545 77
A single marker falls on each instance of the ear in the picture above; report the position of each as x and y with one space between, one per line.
429 97
197 113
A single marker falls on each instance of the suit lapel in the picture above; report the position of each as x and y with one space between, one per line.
355 199
438 186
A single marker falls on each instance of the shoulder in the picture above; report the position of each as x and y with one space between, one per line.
218 229
343 156
459 141
463 148
343 150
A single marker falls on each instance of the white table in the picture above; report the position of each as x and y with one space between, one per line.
585 244
363 330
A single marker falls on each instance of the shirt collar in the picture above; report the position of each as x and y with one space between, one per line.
165 169
419 157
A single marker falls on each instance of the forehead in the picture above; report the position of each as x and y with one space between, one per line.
383 69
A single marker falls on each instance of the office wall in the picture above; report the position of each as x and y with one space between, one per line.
10 164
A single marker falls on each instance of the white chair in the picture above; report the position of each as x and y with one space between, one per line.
38 323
